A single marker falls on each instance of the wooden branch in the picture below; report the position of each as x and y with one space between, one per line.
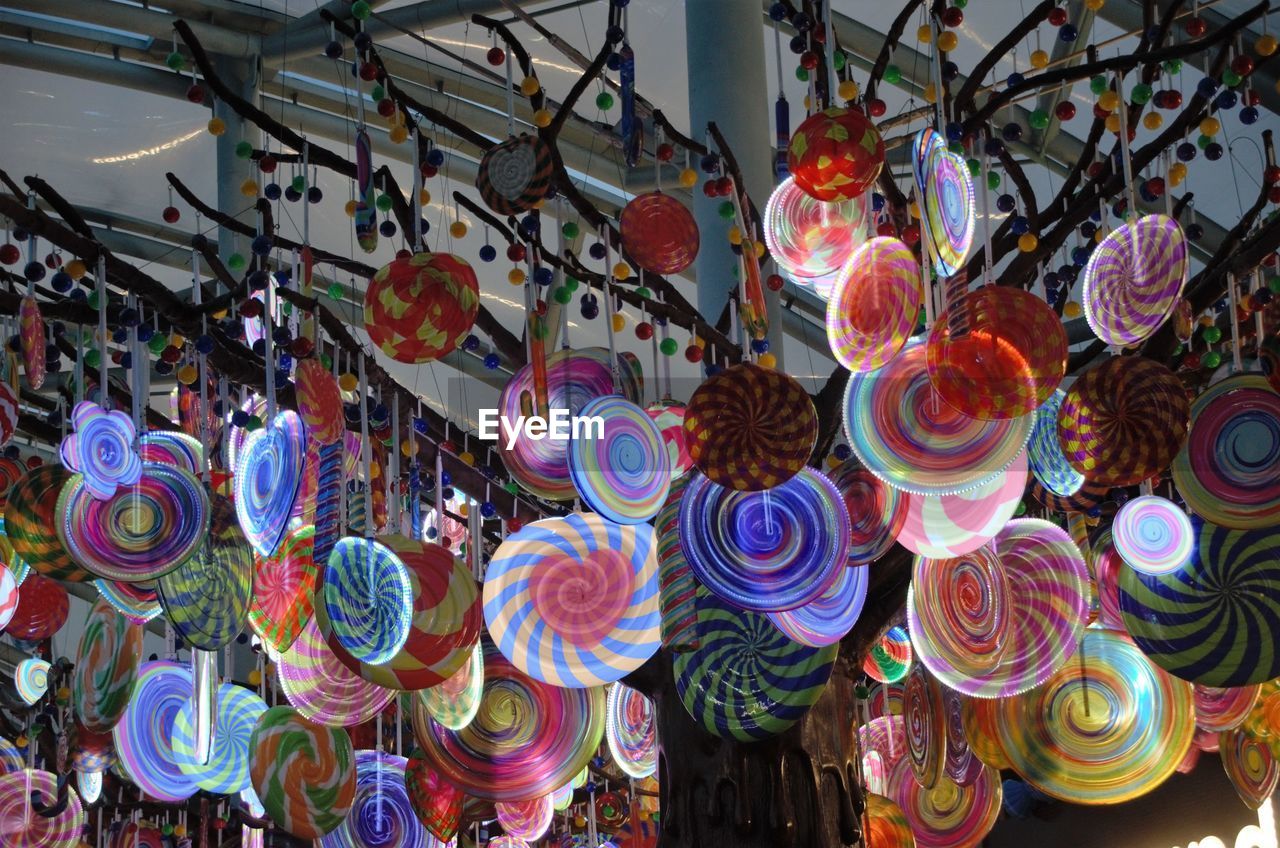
891 40
539 99
579 87
963 99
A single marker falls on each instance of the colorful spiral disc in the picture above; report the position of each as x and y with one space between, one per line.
1123 421
942 526
527 820
515 174
142 531
31 680
1044 451
875 305
997 353
381 815
170 447
747 680
948 209
622 471
1224 709
42 609
631 727
574 601
101 450
206 598
268 473
1250 765
1103 729
1212 621
767 551
1107 566
226 770
889 659
877 511
959 763
677 587
812 240
527 739
883 745
1134 279
284 587
750 428
960 615
659 233
144 735
367 605
668 417
924 718
322 688
886 824
437 803
106 669
948 815
1153 535
904 434
8 596
137 602
454 702
32 519
303 773
21 826
1049 594
1228 472
826 619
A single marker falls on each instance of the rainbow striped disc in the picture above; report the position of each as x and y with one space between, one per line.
1044 451
924 718
574 601
303 773
631 728
887 825
875 305
454 702
1250 765
367 603
21 826
381 816
322 688
948 209
226 771
948 815
144 735
889 659
826 619
1224 709
268 474
106 669
622 470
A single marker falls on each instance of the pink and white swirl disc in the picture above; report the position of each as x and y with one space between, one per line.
941 526
1153 535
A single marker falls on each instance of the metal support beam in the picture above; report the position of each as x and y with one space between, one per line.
1067 54
149 22
232 170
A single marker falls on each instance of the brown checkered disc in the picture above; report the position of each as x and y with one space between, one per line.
659 233
1123 421
750 428
514 175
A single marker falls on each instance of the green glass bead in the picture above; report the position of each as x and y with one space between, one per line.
960 4
244 150
299 183
157 343
861 691
562 295
993 180
287 309
1141 94
644 292
175 61
604 101
726 210
1212 335
255 423
360 10
1204 141
511 488
1212 359
802 73
383 203
92 299
893 74
326 360
93 358
1039 119
669 347
570 229
1274 284
235 262
838 59
975 168
1098 84
1231 79
956 147
335 291
1021 508
571 283
377 93
1172 66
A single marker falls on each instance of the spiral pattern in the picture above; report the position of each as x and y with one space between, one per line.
367 602
942 526
1223 709
527 739
170 447
960 614
1228 472
31 679
268 474
226 771
322 688
453 703
574 601
21 826
144 735
1153 535
1044 451
1049 594
319 401
419 307
766 551
515 175
32 341
1250 766
1123 421
659 233
436 802
948 815
812 240
948 210
826 619
31 521
1103 730
904 434
1213 620
207 597
889 659
142 531
623 471
1134 279
747 680
303 773
137 602
925 720
284 587
527 820
381 816
107 664
959 762
8 596
874 305
101 449
668 417
883 745
887 825
631 727
677 587
877 511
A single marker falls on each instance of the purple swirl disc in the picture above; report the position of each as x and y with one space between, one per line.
825 620
101 449
382 816
322 688
877 511
948 210
811 240
1219 709
1134 279
171 447
267 479
21 826
144 735
767 551
1049 590
631 728
959 762
621 469
883 743
1153 535
141 532
949 815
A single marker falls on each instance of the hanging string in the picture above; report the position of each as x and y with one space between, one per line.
417 247
1123 111
983 191
393 468
366 449
831 52
103 359
511 98
609 306
1237 360
268 342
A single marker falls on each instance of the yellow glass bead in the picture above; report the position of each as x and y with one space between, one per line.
177 340
1072 309
924 34
216 126
398 134
760 248
1094 5
1039 59
1265 46
187 374
457 229
219 315
619 323
249 188
847 90
1210 126
76 269
467 458
350 208
424 197
808 103
529 86
1028 242
930 95
621 271
406 447
735 235
688 178
348 382
948 41
179 830
542 118
539 203
375 471
767 360
64 694
255 677
833 462
1099 234
1205 321
579 820
1153 120
462 507
516 276
1112 123
1178 171
1109 100
913 208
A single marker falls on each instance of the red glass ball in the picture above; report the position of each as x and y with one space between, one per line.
540 307
449 446
886 229
514 524
876 107
644 331
301 347
1057 16
268 164
251 308
693 353
429 171
196 93
1155 185
403 253
724 186
808 60
171 214
911 233
386 107
953 17
1099 112
666 152
1172 99
516 252
496 56
9 254
709 188
1252 97
1195 27
368 71
1191 360
1094 169
33 462
1273 194
1271 174
774 282
1242 64
1065 110
171 354
52 260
